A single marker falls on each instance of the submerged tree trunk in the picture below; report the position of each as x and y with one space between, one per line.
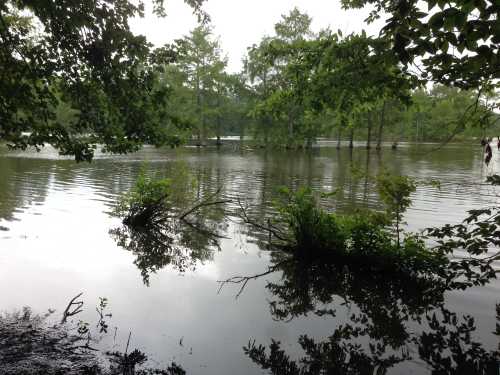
369 137
381 127
290 130
339 134
351 138
242 136
219 126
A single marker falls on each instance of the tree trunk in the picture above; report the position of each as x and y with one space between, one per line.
369 124
381 128
242 136
339 133
199 104
290 130
351 138
219 126
309 143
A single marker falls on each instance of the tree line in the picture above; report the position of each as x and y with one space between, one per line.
76 77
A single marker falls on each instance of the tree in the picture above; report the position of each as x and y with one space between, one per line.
353 76
82 54
200 60
274 68
455 41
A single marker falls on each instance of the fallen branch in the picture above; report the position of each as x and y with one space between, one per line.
201 205
269 228
76 310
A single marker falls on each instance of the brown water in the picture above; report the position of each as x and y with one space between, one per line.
55 243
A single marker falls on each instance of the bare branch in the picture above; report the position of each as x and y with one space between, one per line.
269 228
77 308
201 205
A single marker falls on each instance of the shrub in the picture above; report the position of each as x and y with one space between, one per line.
364 237
146 202
311 228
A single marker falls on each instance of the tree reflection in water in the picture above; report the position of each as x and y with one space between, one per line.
181 241
395 319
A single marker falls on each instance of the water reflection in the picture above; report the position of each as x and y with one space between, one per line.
391 319
175 222
181 246
446 347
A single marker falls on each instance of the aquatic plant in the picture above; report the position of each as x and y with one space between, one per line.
308 227
147 202
304 231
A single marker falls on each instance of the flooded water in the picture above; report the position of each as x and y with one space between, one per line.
55 242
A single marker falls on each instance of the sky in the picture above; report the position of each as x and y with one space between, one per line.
241 23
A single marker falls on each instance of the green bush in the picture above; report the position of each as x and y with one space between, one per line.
311 228
366 233
146 201
365 237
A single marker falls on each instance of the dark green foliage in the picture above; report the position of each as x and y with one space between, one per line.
456 41
360 238
311 228
82 55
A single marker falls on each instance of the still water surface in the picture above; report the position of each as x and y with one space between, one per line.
55 243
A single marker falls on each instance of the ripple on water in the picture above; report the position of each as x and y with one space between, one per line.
63 245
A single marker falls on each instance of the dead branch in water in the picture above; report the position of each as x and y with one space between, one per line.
208 201
269 228
78 305
201 205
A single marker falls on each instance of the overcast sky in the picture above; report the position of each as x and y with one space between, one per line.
241 23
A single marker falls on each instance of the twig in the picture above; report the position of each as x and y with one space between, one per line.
204 230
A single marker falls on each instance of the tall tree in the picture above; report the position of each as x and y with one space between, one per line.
278 76
201 61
